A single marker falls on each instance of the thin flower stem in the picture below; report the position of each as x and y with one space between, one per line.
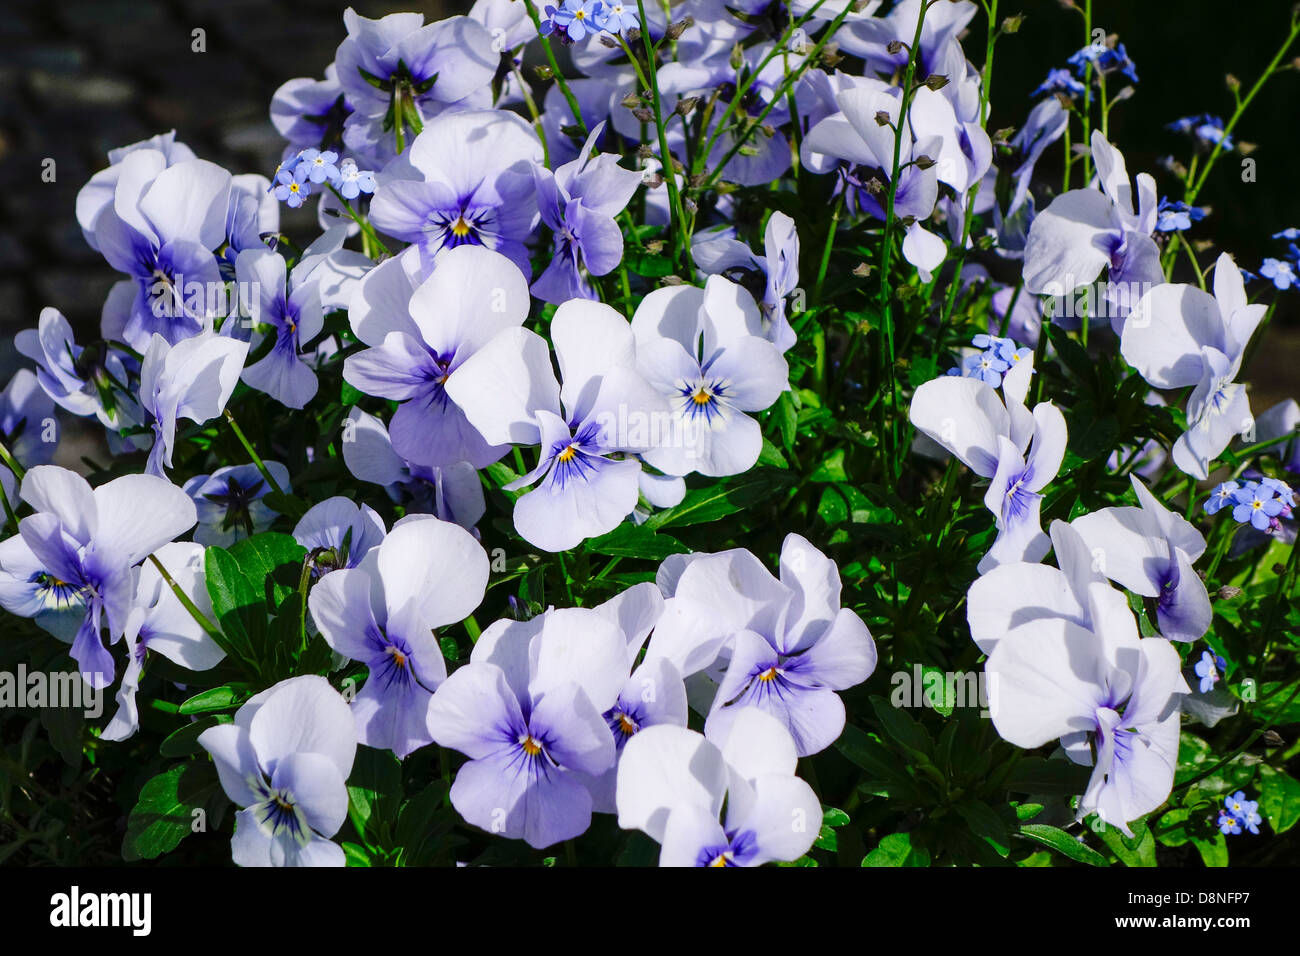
199 617
369 237
11 463
681 234
885 296
257 460
557 74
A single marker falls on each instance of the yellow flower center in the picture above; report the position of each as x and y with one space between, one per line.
398 657
768 675
532 746
702 396
460 228
627 725
568 454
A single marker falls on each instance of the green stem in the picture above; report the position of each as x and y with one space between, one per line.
257 460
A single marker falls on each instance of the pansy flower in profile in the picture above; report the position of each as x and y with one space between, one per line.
1085 231
771 278
1179 336
584 430
69 566
452 492
578 203
1150 551
285 759
674 783
290 319
84 380
424 575
158 623
28 427
193 380
1018 451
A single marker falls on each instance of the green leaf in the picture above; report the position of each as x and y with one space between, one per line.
165 812
1279 799
216 699
636 541
1138 851
897 850
185 741
986 824
771 456
1214 851
1060 841
900 727
722 498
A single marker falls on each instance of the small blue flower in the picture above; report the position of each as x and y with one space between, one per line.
1280 272
353 181
1281 489
1291 234
574 20
292 186
1210 670
1105 60
320 165
1059 81
618 17
1206 129
1177 216
1224 494
1256 505
1228 824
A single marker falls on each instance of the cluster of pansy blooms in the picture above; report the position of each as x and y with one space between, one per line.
487 338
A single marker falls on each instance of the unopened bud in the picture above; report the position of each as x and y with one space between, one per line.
631 101
1012 24
608 41
685 106
737 57
894 47
632 34
675 30
1125 94
882 118
654 247
672 280
543 72
1229 592
923 162
862 270
1003 136
936 81
1273 739
690 205
1232 82
643 114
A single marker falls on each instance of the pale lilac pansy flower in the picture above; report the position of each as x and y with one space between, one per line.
193 379
158 623
1150 551
69 566
703 351
290 319
604 408
788 644
285 759
28 427
673 784
527 711
466 180
425 574
1112 698
419 339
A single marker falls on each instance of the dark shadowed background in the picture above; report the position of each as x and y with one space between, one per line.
79 77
